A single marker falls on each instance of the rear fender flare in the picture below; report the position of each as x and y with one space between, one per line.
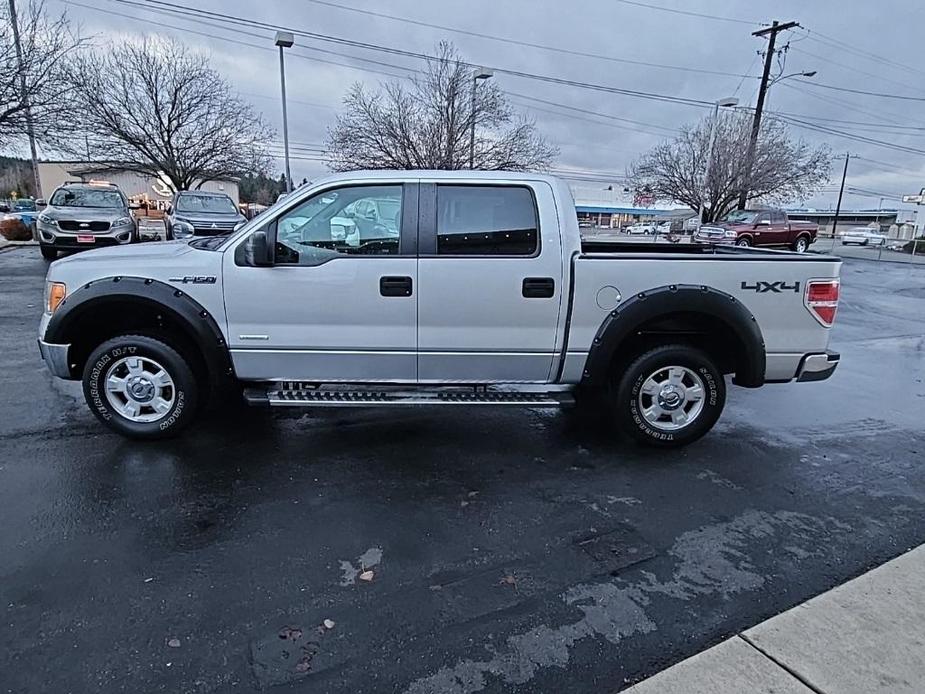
623 322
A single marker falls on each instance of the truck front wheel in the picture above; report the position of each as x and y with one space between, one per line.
140 387
800 244
669 396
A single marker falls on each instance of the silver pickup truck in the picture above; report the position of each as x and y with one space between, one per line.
396 288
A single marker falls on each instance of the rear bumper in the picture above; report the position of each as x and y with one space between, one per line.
55 357
817 367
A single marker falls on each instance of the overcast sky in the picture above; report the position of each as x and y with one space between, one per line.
866 46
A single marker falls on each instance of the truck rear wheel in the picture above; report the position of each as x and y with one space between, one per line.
669 396
140 387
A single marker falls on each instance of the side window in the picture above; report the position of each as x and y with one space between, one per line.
486 220
763 218
355 220
778 217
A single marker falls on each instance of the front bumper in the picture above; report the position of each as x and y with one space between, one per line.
55 357
817 367
61 239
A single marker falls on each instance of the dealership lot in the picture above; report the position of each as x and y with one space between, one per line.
509 550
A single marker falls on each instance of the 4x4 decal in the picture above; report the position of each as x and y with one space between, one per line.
777 287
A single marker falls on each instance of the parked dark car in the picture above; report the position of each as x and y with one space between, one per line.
199 213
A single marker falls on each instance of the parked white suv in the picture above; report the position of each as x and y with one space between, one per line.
85 215
461 288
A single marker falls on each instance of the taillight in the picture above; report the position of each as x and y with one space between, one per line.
821 300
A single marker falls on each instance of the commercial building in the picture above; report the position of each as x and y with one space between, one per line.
613 206
156 191
897 224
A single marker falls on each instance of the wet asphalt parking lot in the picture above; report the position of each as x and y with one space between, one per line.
511 551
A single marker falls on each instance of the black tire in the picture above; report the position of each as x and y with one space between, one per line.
627 402
48 253
184 389
800 244
168 234
743 242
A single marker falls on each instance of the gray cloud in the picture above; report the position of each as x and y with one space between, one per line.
618 29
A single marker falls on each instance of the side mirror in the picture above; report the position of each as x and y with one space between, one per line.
41 203
257 250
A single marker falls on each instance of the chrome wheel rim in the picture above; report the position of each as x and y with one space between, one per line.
801 245
140 389
671 398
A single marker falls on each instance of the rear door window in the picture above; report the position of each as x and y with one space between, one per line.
486 220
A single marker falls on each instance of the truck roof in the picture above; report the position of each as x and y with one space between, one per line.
462 175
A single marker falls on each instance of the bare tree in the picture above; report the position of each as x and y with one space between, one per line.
424 123
784 168
33 78
155 108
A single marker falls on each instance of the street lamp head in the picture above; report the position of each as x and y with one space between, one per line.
728 102
481 73
811 73
284 39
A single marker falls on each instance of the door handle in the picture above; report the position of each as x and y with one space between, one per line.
395 286
539 287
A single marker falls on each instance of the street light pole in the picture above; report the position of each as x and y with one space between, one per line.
479 74
284 39
730 101
30 128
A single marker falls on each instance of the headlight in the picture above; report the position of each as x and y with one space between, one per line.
54 295
122 222
181 229
45 219
730 234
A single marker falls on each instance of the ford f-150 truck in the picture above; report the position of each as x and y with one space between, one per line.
475 289
768 227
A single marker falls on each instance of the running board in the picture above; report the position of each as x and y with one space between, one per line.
279 395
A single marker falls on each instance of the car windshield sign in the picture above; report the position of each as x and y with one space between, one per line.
211 204
82 197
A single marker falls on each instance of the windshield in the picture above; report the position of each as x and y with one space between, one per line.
214 204
86 197
741 217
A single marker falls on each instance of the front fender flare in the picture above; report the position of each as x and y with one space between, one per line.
622 322
199 324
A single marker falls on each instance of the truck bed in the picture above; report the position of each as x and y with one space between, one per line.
769 283
702 250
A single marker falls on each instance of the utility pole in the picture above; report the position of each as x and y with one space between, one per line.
30 128
841 190
771 32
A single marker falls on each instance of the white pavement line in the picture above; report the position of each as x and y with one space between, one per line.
865 636
732 667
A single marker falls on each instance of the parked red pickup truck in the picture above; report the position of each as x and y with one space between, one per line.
768 227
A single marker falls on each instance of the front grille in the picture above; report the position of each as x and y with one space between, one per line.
73 225
213 228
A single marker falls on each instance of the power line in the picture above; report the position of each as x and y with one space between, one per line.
880 95
595 113
688 13
171 8
848 136
529 44
851 68
832 42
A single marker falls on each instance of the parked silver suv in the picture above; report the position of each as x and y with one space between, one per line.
85 215
200 213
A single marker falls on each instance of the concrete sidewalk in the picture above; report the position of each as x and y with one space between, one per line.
863 637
